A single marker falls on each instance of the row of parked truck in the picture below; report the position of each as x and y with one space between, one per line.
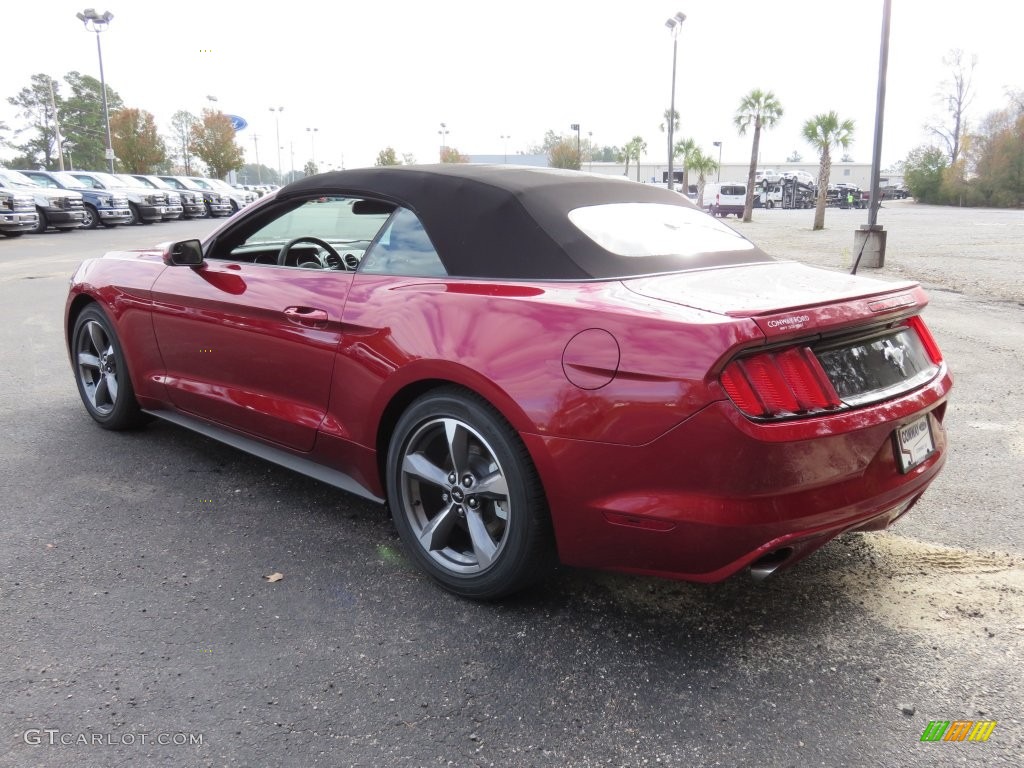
35 201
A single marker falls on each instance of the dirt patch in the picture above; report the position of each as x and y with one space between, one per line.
927 587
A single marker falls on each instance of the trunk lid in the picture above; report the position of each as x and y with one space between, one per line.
786 298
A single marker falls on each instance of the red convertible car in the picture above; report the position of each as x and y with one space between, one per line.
529 366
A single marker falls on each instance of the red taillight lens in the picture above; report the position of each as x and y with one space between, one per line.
782 383
930 347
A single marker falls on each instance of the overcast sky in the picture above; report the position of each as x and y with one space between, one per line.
375 74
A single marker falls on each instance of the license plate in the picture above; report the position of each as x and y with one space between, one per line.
914 443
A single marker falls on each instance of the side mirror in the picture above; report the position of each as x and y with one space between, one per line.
187 253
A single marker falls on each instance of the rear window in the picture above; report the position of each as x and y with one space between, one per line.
652 229
734 189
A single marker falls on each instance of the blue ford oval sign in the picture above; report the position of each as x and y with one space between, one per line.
238 123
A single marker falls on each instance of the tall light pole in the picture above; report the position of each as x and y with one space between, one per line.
277 124
674 25
719 145
443 133
312 143
590 141
576 127
256 146
505 137
97 22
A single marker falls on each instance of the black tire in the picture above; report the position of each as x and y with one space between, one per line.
136 216
91 218
101 372
770 204
43 224
489 527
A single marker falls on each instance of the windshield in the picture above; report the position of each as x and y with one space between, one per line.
68 180
106 179
17 179
128 181
201 183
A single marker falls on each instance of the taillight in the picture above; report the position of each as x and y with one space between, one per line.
927 340
780 383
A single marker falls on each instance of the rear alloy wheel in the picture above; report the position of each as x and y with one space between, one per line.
101 372
466 498
91 218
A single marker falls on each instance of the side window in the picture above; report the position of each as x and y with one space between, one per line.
346 224
403 249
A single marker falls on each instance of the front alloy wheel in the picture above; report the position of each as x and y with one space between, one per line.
90 217
101 373
466 498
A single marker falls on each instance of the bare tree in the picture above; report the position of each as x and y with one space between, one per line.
957 96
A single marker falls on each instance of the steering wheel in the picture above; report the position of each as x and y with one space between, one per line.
333 259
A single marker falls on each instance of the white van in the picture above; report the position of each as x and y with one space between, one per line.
724 197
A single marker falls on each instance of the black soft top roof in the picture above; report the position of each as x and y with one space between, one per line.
511 222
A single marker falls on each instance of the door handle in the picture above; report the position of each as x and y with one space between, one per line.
306 315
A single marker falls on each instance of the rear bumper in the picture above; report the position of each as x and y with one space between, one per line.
719 492
726 210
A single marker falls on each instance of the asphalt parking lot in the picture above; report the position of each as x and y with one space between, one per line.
140 630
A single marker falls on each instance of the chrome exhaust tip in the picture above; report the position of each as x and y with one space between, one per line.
768 564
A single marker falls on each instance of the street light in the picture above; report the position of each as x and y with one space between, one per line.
443 133
576 127
719 145
590 142
505 138
674 25
256 146
277 124
312 144
96 22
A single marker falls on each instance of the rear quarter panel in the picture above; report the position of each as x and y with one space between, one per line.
506 342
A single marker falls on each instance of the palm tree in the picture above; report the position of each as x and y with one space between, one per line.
703 165
636 147
675 121
826 132
762 110
684 150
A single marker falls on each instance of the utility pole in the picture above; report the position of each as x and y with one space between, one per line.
56 124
